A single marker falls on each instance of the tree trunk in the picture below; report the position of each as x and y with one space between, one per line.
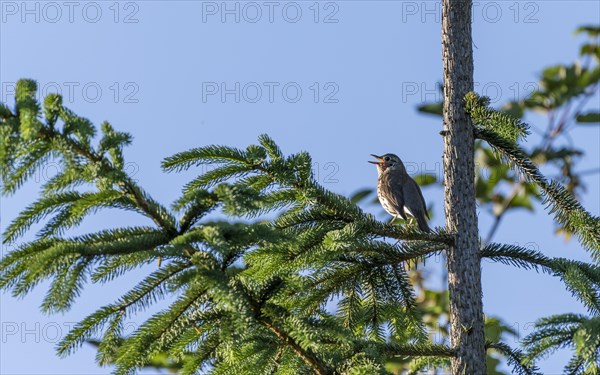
464 272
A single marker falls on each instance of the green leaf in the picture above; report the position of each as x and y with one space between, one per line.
514 109
590 49
432 108
588 29
495 328
360 195
589 118
425 179
522 200
587 78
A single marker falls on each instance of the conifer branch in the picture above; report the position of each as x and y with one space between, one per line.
581 279
73 143
423 350
293 177
574 331
307 355
147 205
419 365
515 358
145 292
158 331
501 132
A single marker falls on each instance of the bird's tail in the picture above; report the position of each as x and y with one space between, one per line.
422 222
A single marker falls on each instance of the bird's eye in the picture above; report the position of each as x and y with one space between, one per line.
387 158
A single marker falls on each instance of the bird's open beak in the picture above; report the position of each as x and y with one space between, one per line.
378 158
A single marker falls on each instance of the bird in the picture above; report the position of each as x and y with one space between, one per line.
398 193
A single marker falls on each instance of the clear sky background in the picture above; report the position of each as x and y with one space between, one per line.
343 87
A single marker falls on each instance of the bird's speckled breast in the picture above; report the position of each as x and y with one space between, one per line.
384 201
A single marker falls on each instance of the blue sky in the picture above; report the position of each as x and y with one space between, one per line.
338 79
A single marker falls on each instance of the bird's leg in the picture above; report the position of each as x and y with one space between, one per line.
411 221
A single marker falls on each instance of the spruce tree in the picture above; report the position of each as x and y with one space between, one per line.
251 292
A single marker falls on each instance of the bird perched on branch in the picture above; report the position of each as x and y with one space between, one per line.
398 193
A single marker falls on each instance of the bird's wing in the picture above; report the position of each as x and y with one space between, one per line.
422 199
392 189
412 189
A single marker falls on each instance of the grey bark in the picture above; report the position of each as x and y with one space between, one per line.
464 272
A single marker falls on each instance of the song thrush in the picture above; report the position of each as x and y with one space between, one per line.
398 193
